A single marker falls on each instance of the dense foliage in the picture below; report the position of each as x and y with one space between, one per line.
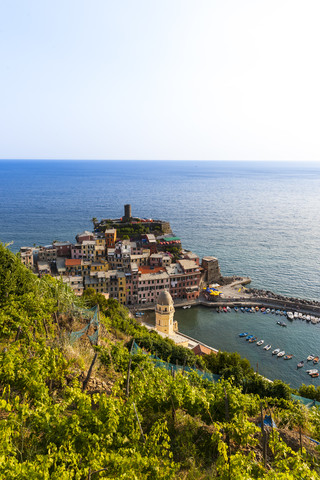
153 425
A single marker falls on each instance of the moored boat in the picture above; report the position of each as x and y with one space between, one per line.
267 347
257 308
260 342
253 339
288 357
236 309
281 354
300 364
268 310
276 351
263 309
313 370
316 360
244 334
314 375
290 315
310 357
249 337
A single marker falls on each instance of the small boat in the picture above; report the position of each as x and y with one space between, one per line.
281 354
225 309
263 309
253 339
316 360
310 357
276 351
253 310
273 310
242 309
288 357
290 315
296 315
268 310
313 370
228 309
314 375
300 364
236 309
257 308
245 334
308 318
277 312
260 342
267 347
249 337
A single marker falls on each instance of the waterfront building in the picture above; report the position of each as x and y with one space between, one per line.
43 268
150 285
185 276
160 259
122 296
63 249
47 254
26 256
73 266
211 270
110 237
84 236
75 282
165 313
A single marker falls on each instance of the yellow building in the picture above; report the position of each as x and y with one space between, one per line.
165 313
122 298
99 267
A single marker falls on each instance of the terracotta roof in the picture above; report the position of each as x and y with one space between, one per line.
201 350
147 269
71 262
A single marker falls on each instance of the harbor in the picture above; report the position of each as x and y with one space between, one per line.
221 331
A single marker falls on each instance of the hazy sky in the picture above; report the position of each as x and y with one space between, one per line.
166 79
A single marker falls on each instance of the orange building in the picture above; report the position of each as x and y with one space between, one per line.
111 237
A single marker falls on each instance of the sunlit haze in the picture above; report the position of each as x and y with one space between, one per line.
210 80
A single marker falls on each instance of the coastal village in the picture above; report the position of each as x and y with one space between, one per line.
129 259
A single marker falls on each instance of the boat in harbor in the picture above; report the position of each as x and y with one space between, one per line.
312 371
267 347
263 309
276 351
290 315
300 364
314 375
288 357
257 308
260 342
316 360
310 357
242 309
273 310
236 309
249 337
244 334
282 324
281 354
268 310
253 339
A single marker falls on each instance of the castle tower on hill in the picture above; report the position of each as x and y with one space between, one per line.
127 213
164 314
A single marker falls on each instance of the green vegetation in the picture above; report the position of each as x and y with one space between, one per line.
148 424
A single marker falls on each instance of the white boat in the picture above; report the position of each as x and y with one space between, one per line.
310 357
281 354
260 342
276 351
267 347
300 315
268 310
312 371
290 315
296 315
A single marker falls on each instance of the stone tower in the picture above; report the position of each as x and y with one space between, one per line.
165 313
127 213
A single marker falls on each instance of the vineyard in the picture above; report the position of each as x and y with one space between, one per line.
78 402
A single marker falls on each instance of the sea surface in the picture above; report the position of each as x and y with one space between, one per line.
260 219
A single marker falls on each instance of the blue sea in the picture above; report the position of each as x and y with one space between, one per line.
260 219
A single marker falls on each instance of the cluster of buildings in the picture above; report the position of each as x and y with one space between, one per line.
133 272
